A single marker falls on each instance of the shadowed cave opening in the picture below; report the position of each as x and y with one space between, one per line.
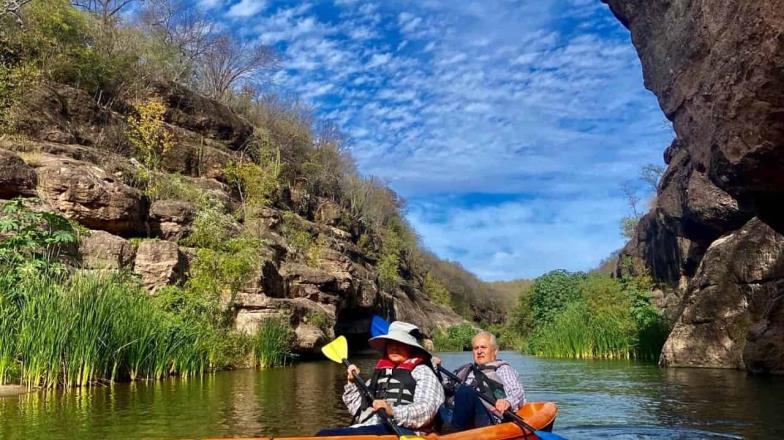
354 324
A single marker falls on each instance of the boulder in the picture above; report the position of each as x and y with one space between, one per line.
302 274
102 250
115 164
16 177
197 158
426 314
735 288
63 114
723 91
88 194
310 321
309 338
328 213
710 211
171 219
764 351
159 263
208 117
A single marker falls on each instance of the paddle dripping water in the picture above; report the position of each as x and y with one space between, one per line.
601 399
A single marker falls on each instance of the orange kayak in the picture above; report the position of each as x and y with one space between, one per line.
540 415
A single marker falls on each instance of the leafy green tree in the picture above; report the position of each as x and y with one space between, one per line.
550 293
521 320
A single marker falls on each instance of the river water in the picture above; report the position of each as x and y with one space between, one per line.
597 399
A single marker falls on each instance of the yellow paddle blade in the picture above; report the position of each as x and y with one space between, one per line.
336 350
411 437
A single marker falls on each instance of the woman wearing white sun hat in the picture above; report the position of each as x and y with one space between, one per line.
403 385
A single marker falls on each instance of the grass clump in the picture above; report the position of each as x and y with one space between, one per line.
272 343
60 327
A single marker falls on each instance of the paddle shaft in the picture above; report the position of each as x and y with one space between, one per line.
381 413
508 413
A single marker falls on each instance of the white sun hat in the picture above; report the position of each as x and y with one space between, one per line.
399 331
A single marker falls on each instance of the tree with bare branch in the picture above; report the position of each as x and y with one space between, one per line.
230 61
181 26
106 10
13 8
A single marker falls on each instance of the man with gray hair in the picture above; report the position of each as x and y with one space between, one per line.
487 375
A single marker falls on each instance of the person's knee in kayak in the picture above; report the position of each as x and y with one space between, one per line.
488 375
403 385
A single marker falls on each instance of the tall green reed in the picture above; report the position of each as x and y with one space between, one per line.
8 317
90 328
575 332
43 329
272 343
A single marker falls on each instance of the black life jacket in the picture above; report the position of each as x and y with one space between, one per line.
391 382
486 380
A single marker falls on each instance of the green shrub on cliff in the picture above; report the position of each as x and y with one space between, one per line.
255 176
212 229
298 236
435 290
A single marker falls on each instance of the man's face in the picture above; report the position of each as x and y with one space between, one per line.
484 352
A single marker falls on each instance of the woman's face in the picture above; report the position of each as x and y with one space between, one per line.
397 352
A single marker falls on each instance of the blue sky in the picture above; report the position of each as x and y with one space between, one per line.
508 125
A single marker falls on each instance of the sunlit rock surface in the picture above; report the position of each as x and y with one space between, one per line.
713 235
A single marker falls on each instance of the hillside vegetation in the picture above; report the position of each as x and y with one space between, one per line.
155 160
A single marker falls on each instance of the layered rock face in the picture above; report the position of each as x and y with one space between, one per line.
74 159
714 235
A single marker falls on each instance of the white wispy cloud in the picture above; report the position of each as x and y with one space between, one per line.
538 100
246 8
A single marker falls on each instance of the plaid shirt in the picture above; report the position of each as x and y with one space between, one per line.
428 396
512 387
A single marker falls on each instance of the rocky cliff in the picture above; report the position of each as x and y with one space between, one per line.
714 235
73 154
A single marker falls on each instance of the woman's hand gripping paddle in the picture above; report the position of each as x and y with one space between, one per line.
337 351
379 326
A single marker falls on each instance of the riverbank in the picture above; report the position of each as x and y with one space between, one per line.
12 390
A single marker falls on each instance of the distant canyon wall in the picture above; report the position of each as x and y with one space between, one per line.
714 235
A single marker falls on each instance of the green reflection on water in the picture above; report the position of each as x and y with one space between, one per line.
600 396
